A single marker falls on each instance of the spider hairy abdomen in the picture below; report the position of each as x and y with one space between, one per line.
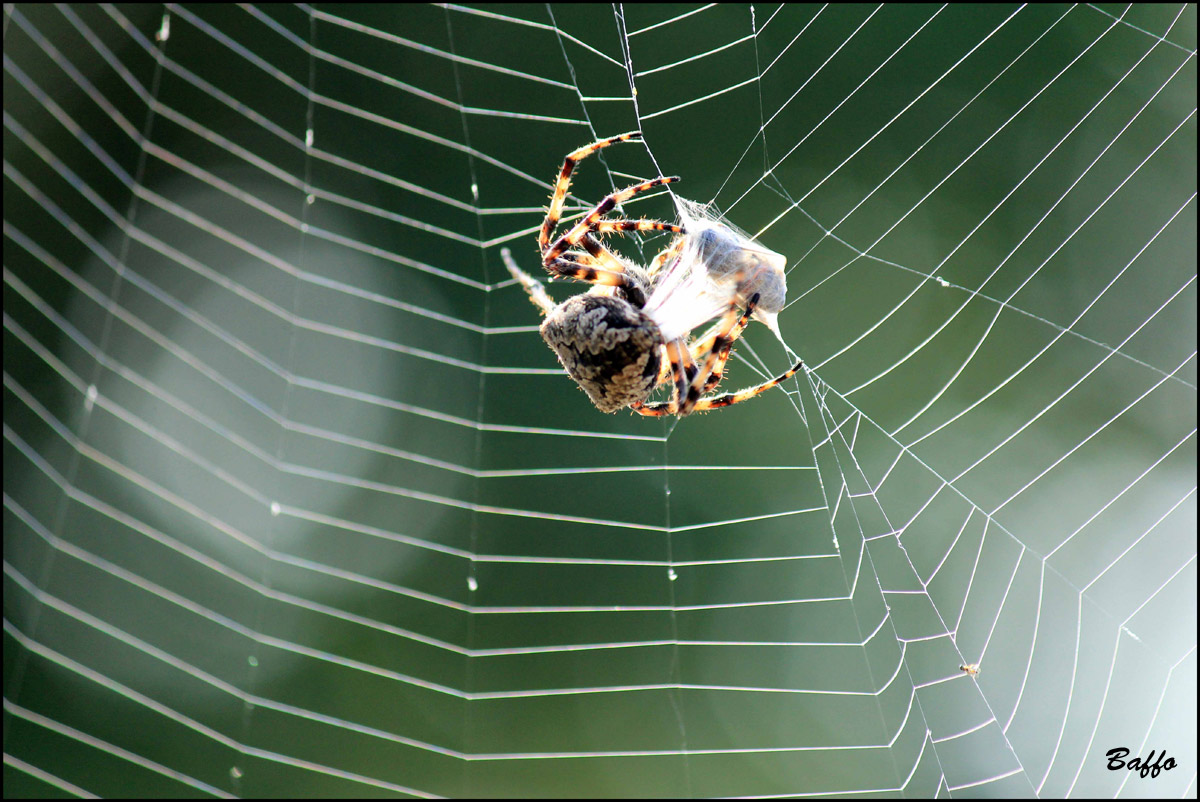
608 346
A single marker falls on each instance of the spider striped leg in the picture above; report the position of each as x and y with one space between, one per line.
705 404
718 371
675 356
600 254
726 350
664 256
564 182
660 408
610 260
685 376
569 265
609 226
722 342
589 223
603 255
671 367
690 379
575 268
537 293
716 344
719 346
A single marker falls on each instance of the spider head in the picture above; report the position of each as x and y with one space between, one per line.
610 347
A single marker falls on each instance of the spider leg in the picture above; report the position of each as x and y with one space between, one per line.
722 342
660 408
576 265
724 351
575 268
676 355
601 254
565 264
670 368
537 293
664 256
609 260
690 379
609 226
570 265
590 223
599 251
719 345
564 182
727 399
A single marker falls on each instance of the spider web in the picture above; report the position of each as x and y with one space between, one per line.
297 501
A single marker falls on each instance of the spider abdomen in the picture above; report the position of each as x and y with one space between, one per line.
608 346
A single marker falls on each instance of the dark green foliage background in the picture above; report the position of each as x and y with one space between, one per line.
297 502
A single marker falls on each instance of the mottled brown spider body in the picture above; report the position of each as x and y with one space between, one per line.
630 332
611 348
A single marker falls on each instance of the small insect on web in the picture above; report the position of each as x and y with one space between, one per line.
631 332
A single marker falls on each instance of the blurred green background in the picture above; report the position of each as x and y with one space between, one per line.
299 504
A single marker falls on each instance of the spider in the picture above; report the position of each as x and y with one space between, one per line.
629 333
